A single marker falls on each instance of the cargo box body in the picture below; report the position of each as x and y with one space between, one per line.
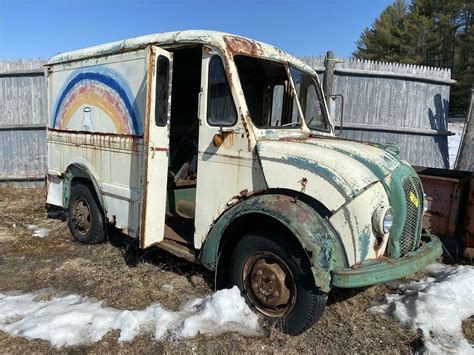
97 114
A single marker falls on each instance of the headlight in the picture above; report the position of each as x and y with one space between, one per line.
382 219
387 220
425 203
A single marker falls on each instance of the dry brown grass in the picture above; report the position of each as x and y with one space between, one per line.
468 330
115 273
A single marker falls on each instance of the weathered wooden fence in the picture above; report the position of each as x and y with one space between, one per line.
465 158
391 103
22 122
384 103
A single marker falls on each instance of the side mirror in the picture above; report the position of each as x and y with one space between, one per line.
332 109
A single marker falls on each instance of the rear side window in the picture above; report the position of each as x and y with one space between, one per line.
162 86
220 105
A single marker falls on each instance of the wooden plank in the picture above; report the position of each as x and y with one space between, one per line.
24 72
22 127
405 130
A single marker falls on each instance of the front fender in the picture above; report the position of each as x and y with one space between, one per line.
314 233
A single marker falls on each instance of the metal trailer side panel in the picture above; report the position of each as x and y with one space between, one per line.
96 119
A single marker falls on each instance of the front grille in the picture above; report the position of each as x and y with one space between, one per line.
410 236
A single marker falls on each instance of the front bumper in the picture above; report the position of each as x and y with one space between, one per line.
372 272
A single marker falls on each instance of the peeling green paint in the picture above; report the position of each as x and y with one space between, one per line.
375 168
364 243
396 195
313 166
390 162
372 272
78 170
313 232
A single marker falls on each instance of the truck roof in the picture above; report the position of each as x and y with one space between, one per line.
228 43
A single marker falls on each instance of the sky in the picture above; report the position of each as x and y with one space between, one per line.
43 28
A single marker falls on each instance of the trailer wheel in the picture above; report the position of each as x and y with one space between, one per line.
85 219
275 278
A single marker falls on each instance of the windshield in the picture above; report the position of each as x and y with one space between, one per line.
270 99
310 99
268 93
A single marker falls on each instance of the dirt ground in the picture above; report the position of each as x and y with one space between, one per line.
126 279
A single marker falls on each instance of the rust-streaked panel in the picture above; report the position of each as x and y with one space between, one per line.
468 235
442 215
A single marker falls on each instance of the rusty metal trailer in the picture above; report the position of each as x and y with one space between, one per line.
450 196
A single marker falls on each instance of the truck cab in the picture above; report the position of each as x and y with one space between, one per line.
220 149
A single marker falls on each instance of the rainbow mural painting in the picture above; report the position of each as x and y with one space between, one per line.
102 89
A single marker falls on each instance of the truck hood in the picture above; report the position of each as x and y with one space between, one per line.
335 170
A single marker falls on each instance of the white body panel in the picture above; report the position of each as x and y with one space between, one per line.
353 222
223 172
97 115
156 166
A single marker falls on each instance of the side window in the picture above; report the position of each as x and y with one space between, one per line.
313 114
220 105
295 114
162 86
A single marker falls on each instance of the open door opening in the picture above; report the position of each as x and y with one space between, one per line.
183 155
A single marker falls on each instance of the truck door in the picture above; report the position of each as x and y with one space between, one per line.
156 146
225 164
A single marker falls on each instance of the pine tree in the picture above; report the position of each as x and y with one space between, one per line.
385 39
427 32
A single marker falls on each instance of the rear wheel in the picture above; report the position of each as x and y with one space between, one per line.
275 277
85 219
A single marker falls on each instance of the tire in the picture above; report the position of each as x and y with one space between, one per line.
85 218
286 274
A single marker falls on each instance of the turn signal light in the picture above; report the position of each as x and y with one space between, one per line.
218 140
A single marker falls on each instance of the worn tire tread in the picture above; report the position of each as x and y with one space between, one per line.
97 232
314 300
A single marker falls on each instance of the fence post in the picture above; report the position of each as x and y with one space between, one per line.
328 84
329 65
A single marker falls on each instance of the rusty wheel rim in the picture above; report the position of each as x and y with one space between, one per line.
269 284
82 216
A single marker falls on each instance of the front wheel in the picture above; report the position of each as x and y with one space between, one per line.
275 278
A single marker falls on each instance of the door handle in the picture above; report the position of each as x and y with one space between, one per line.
199 104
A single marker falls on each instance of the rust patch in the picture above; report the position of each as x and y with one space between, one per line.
241 45
146 138
242 195
294 139
95 133
468 236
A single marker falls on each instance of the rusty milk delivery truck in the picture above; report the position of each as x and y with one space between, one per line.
220 149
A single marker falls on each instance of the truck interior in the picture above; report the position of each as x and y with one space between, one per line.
184 132
267 92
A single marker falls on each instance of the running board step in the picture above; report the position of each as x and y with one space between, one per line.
180 250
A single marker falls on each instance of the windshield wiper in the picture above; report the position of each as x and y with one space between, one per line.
291 124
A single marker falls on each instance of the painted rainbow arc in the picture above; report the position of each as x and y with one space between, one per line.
100 90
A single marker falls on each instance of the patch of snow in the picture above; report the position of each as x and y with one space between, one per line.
38 231
437 305
72 320
41 232
454 143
